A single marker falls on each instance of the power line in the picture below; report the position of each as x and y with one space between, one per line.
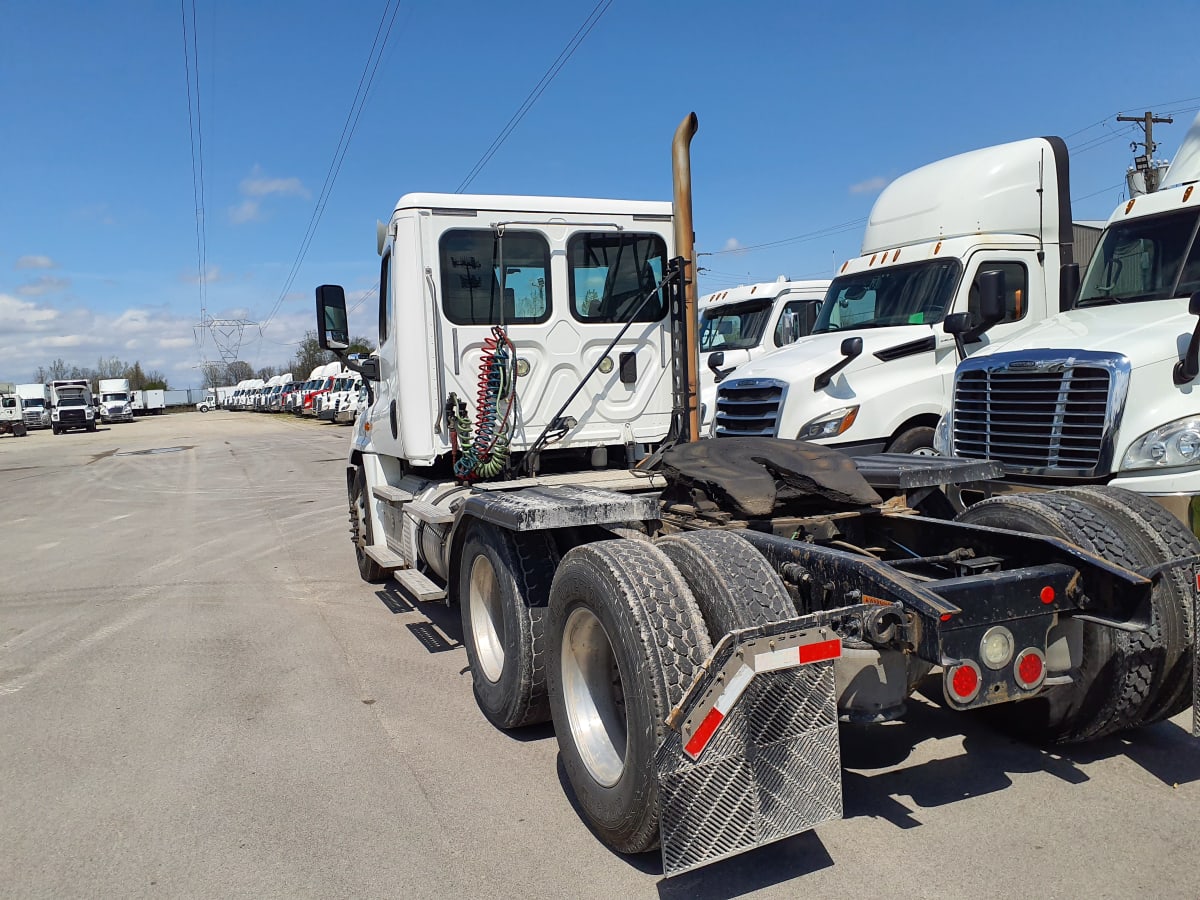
357 105
195 136
828 231
551 73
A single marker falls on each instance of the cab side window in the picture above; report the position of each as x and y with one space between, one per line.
1016 289
385 299
795 321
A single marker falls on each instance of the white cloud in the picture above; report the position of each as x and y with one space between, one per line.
35 262
246 211
23 316
175 342
870 186
259 185
44 285
211 276
733 245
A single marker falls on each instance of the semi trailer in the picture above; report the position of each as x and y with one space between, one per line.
697 617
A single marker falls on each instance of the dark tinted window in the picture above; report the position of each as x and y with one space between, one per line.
1016 289
385 299
611 273
471 277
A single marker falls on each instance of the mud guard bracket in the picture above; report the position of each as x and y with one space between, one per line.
753 755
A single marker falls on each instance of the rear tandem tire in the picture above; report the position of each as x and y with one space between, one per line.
734 586
504 583
1157 536
362 532
1115 676
625 638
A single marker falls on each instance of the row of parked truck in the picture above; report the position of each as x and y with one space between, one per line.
332 393
68 404
696 617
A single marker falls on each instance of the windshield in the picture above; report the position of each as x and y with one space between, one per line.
1144 259
37 402
916 294
734 327
71 401
111 398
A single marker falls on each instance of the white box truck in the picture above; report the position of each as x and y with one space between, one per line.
149 402
876 372
1105 393
12 415
35 398
71 405
116 400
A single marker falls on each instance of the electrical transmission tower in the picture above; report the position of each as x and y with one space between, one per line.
225 336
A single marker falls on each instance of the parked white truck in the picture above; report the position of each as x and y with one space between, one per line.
116 400
876 372
149 402
751 320
695 617
71 405
1107 391
12 414
35 398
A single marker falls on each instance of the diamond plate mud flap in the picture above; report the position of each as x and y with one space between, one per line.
753 753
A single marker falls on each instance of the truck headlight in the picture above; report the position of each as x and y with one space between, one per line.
941 436
1168 446
833 423
89 413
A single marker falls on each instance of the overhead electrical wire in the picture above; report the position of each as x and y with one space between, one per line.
191 68
551 73
383 33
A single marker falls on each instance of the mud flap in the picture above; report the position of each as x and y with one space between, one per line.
1196 651
753 753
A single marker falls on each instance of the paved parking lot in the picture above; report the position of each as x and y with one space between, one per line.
199 697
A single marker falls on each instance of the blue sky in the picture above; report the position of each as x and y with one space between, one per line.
806 110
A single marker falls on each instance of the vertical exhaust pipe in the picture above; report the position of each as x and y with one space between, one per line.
681 170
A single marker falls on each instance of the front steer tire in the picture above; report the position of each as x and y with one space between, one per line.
625 640
503 591
362 530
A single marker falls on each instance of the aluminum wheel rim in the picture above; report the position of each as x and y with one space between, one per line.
487 618
594 697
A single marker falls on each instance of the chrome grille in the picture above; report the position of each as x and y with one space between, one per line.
1051 417
749 406
33 417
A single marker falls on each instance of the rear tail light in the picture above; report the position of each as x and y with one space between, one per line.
963 682
1030 668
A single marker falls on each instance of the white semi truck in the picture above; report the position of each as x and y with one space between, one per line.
71 405
1105 393
695 617
876 372
751 320
35 398
12 414
116 400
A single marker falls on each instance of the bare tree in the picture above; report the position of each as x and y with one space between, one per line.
239 371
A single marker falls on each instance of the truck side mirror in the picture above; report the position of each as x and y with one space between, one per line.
333 329
716 359
1068 286
991 298
852 347
962 325
1189 367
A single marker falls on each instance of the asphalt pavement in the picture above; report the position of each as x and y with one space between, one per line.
199 697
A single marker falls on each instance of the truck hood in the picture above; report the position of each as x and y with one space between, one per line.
813 354
1147 332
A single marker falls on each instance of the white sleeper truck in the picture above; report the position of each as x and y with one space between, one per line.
1105 393
71 407
876 372
12 415
743 323
695 617
116 400
35 398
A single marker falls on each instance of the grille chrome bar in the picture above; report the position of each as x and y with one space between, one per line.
749 406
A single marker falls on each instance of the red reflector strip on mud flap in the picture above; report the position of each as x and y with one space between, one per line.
752 755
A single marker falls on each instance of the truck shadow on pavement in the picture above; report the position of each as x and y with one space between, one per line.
442 628
989 760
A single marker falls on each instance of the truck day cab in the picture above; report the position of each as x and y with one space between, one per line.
1105 392
876 372
743 323
35 398
116 401
695 617
12 414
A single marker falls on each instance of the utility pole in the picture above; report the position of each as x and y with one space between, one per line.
1145 164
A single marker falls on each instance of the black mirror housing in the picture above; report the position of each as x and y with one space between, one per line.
333 328
1194 304
960 323
852 347
716 359
1189 367
1068 286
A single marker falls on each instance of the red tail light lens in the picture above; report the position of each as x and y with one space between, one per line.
963 682
1030 668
